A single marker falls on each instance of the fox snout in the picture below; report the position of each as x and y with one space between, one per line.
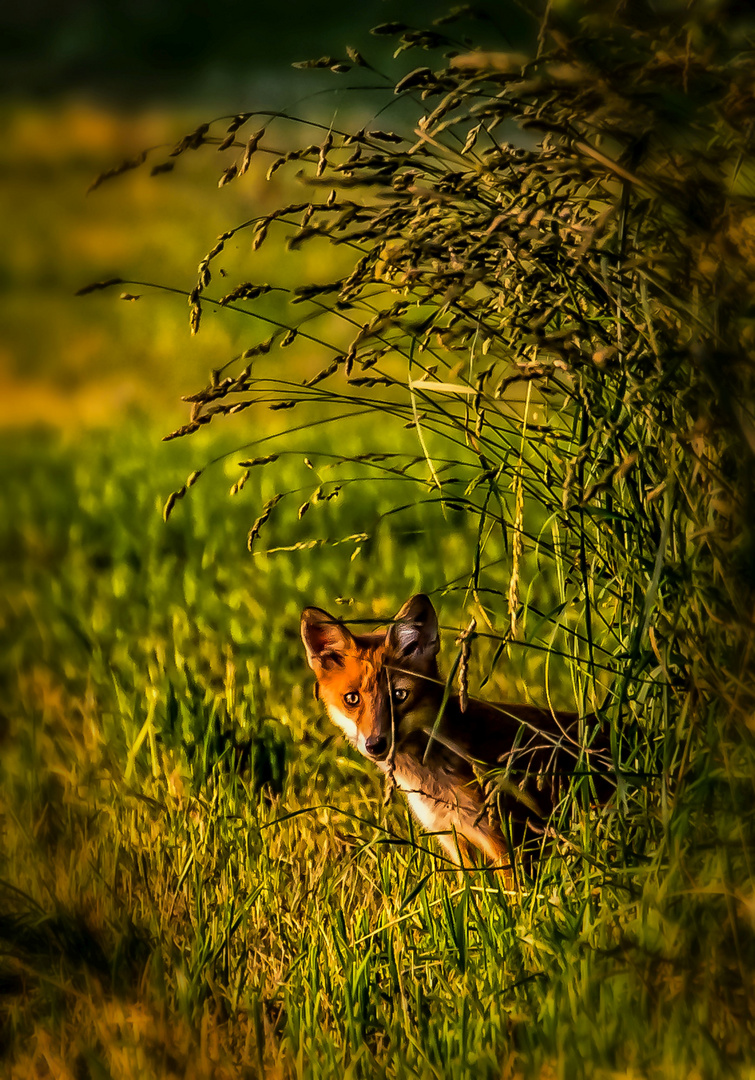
377 747
377 726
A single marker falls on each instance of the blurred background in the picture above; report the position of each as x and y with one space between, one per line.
85 83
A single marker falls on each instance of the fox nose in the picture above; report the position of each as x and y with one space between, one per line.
376 746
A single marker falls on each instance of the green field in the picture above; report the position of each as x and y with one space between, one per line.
198 876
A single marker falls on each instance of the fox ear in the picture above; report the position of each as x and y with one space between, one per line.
414 631
325 639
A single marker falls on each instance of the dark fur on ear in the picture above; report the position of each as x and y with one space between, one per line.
325 639
414 631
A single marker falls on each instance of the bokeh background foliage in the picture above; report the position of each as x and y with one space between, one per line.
485 332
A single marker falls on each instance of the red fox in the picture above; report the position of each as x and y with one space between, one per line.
385 692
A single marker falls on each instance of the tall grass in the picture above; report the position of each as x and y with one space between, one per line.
199 877
533 346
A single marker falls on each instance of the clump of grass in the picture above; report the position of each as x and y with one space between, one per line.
546 278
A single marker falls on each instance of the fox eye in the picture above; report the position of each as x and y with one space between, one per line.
400 693
352 698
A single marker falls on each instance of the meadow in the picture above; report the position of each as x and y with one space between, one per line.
198 876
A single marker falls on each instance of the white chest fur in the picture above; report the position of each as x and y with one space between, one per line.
442 805
446 810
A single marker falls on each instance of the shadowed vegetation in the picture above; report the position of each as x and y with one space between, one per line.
515 373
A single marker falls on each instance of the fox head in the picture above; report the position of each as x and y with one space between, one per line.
375 685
